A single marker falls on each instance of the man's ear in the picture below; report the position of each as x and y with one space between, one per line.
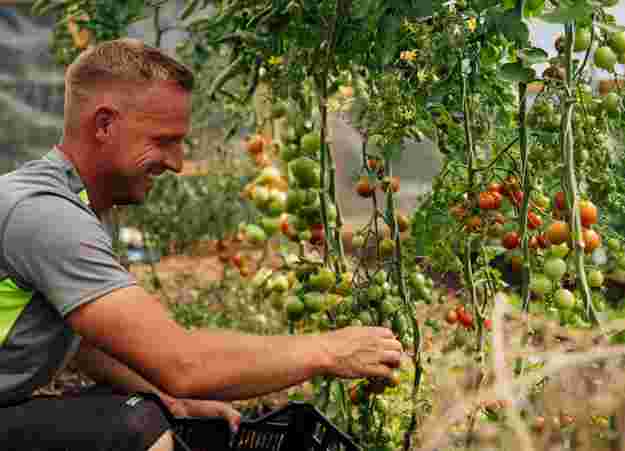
104 123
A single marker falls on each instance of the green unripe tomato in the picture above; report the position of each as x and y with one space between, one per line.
582 39
374 293
417 280
555 268
255 234
279 284
611 102
605 58
614 245
307 172
294 200
270 225
617 42
564 299
365 318
559 250
323 280
540 285
314 302
387 307
310 144
595 278
586 93
294 308
380 277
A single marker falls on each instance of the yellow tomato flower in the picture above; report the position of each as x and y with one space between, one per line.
275 60
472 24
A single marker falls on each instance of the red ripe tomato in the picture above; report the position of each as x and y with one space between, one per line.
498 198
588 213
466 319
592 240
533 221
317 234
237 260
511 240
488 324
542 241
517 197
495 188
486 201
560 200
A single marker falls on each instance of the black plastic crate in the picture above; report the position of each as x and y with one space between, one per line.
296 427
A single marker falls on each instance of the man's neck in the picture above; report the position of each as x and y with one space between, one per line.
74 153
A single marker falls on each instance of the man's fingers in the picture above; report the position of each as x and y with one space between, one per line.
392 345
384 332
391 358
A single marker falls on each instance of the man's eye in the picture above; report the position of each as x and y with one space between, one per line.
167 141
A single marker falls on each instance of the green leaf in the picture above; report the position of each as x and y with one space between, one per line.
510 23
565 14
533 56
516 72
481 5
433 324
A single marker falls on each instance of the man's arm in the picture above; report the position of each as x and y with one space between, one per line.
135 327
107 370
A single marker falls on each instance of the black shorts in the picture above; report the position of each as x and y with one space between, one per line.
95 420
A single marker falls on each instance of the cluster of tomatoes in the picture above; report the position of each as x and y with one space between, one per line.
460 316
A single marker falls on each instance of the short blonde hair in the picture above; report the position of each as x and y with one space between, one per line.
125 59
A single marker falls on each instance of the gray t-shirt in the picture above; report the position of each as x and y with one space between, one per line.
59 255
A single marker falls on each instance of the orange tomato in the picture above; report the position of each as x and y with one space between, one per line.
255 144
592 240
558 232
588 213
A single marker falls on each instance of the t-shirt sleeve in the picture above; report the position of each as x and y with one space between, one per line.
62 251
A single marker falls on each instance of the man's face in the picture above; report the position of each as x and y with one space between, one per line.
149 141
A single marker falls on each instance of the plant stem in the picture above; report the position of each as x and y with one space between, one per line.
323 109
157 27
527 186
470 161
568 155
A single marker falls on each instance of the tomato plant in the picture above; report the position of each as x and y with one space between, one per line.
523 202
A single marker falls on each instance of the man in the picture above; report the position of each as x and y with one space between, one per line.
127 110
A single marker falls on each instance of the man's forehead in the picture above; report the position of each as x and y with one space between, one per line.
159 101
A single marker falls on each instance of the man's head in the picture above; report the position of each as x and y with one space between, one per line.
127 110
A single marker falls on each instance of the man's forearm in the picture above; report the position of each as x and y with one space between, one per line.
106 370
228 365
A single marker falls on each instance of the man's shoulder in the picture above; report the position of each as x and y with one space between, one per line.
35 178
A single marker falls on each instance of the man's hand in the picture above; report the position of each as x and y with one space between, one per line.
206 409
362 352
